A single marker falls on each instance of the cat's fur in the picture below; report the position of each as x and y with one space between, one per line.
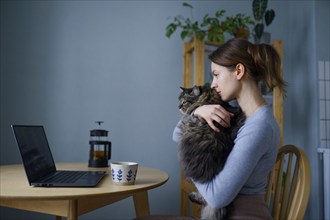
202 151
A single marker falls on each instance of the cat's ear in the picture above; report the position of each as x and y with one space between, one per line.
196 91
181 89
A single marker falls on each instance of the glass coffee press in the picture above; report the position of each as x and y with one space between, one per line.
100 148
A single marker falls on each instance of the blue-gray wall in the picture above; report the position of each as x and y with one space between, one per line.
66 64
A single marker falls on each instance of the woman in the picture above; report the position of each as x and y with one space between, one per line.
238 67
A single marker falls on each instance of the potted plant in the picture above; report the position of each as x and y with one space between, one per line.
210 28
262 16
239 25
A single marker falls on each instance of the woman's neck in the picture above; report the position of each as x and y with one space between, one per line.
250 100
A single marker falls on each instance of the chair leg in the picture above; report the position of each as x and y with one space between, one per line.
184 203
196 210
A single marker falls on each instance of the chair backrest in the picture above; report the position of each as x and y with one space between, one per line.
289 184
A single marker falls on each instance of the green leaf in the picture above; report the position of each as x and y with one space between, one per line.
200 35
214 22
220 13
205 21
184 34
259 30
170 29
221 38
269 16
185 4
216 37
259 8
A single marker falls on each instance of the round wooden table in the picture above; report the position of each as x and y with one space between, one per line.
71 202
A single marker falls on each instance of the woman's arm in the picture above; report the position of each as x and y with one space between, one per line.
209 113
214 113
177 133
250 145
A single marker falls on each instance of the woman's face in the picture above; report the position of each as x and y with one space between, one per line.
224 82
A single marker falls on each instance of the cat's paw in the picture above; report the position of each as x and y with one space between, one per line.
196 197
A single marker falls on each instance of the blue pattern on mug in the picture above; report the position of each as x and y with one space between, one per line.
113 174
129 176
120 175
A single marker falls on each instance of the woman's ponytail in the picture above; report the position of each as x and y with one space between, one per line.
267 66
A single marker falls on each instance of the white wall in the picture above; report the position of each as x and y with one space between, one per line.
66 64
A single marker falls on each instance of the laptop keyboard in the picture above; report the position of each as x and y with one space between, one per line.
65 176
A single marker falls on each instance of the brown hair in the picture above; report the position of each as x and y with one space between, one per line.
261 61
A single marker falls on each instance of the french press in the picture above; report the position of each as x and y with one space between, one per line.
100 147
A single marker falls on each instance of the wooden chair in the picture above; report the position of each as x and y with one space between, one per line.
289 184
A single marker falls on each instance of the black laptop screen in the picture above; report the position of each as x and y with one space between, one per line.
34 149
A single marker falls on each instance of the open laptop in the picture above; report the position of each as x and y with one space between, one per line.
39 163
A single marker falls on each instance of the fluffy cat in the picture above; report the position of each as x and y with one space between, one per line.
202 151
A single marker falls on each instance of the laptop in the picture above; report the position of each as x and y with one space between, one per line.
39 163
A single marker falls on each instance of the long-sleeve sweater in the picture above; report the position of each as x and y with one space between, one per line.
249 163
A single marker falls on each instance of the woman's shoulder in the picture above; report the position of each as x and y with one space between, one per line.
262 118
259 127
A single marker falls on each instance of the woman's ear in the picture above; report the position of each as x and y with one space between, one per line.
240 71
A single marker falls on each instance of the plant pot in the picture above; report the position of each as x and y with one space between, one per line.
216 35
242 33
264 39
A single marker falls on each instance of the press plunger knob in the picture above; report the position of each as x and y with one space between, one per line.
99 122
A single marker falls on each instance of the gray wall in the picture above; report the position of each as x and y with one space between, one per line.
66 64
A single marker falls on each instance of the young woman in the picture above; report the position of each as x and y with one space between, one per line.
238 67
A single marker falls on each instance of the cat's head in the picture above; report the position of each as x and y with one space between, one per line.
190 96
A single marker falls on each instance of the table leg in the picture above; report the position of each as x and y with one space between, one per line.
73 210
141 203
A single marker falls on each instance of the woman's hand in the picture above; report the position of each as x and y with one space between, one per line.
211 113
